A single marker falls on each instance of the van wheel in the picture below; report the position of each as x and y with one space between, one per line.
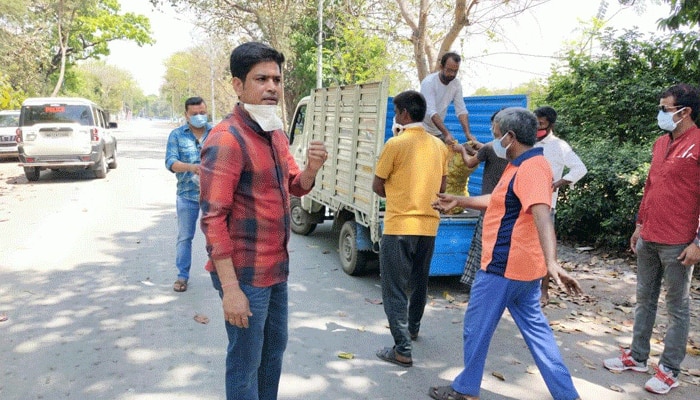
113 162
32 173
101 168
353 261
300 218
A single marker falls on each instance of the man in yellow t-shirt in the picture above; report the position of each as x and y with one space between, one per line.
411 170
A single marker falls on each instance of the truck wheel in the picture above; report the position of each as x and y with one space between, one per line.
300 218
353 261
32 173
101 168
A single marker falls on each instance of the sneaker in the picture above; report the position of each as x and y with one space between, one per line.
625 362
662 382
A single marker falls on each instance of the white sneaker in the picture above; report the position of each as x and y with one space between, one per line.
625 362
662 382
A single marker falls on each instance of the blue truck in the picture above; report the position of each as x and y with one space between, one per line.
354 122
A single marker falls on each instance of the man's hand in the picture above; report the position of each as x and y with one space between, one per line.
316 155
562 278
635 238
236 307
690 255
445 202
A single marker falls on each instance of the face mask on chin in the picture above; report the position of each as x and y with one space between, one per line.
265 115
666 122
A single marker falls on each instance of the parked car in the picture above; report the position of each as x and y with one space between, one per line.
65 133
9 121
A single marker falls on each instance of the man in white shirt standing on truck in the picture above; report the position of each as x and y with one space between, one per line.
440 89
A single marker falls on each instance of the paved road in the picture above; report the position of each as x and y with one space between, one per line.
86 272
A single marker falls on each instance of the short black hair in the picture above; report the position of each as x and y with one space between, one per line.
686 96
547 112
450 54
247 55
193 101
413 102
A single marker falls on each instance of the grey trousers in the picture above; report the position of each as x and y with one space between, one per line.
404 263
656 263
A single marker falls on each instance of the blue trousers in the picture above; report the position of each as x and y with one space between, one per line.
187 214
254 354
491 294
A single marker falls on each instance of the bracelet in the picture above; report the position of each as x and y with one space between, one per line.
234 283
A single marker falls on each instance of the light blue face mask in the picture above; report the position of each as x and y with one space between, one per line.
665 120
198 120
498 147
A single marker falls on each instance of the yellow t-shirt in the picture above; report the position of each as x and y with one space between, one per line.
413 165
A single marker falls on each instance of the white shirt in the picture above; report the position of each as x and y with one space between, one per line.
560 155
438 97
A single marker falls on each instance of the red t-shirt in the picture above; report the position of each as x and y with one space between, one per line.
670 207
511 244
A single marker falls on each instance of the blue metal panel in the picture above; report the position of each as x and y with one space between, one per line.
480 108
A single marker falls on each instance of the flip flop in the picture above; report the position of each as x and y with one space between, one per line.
388 354
180 285
447 393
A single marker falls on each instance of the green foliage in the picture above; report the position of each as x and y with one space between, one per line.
607 112
113 88
351 53
10 99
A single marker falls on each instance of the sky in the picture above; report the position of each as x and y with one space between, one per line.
540 32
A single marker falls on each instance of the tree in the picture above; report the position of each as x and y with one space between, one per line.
607 111
47 37
113 88
435 25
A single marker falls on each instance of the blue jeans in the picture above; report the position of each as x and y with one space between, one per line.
657 262
491 294
187 214
254 354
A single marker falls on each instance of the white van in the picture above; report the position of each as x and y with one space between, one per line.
9 120
65 133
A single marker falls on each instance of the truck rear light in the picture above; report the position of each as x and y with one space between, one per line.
94 135
30 159
84 158
18 135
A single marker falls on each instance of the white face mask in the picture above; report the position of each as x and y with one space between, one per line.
265 115
665 120
397 128
498 147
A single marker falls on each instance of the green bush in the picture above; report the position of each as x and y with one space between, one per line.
607 106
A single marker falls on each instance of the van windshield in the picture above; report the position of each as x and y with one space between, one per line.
7 121
56 113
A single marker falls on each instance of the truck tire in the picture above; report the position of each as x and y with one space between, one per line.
300 218
32 173
353 261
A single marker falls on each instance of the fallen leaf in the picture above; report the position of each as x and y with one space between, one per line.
373 301
346 356
361 329
202 319
616 388
498 375
532 369
3 317
694 372
448 297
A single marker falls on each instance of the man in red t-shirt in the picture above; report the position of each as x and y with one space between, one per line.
666 239
519 249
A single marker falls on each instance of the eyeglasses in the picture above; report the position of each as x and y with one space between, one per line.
663 108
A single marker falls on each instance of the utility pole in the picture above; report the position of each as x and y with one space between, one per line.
319 49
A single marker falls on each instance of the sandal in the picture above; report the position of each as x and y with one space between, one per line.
388 354
180 285
447 393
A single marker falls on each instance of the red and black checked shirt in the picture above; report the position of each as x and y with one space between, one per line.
246 177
